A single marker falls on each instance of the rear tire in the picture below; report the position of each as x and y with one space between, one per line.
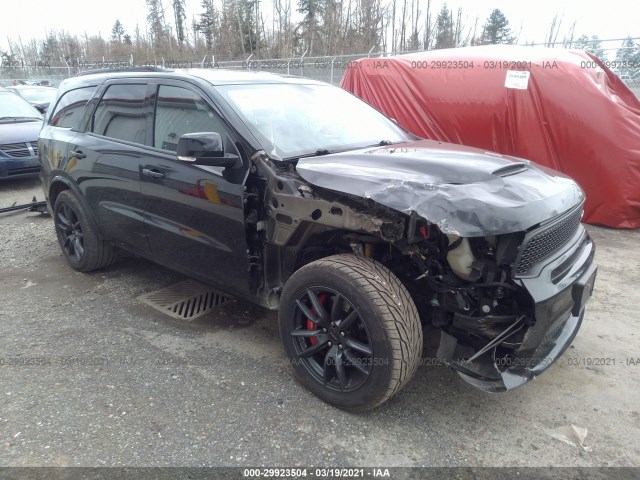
350 330
81 245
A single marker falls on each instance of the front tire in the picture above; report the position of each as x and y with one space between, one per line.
81 245
350 330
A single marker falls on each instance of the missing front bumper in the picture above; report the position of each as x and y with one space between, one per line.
559 310
496 375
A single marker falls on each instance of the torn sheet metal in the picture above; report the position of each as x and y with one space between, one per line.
463 190
561 108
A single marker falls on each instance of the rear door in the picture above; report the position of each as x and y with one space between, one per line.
108 156
60 128
194 214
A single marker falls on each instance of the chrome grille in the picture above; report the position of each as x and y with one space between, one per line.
16 150
548 239
34 145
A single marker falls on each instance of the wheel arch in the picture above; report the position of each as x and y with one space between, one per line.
59 184
313 241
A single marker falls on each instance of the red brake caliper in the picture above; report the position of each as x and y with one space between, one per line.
312 325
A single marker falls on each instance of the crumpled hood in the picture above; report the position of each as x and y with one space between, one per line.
20 132
464 190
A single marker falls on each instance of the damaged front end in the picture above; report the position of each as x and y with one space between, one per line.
525 307
507 305
494 253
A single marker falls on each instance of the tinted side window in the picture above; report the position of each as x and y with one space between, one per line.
121 113
180 111
70 107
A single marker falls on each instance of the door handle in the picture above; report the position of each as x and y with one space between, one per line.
78 154
152 172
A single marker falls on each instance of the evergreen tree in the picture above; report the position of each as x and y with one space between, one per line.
49 50
155 18
444 29
180 17
249 22
628 60
496 30
309 30
208 23
70 48
117 32
596 47
592 45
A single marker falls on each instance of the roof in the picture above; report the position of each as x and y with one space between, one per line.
214 76
218 76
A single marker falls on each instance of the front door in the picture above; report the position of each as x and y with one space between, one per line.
194 216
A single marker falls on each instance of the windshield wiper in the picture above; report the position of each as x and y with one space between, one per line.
317 153
383 143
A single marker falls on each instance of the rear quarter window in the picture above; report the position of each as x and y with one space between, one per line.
70 107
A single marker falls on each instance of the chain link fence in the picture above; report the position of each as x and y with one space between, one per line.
324 68
328 69
34 75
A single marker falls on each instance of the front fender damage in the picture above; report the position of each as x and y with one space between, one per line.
289 210
290 223
291 203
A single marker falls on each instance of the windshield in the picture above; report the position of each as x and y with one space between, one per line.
12 106
292 120
38 95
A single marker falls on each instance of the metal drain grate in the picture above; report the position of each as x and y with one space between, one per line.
185 300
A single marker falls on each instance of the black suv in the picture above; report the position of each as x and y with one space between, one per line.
300 197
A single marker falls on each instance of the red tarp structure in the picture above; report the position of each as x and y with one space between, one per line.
569 112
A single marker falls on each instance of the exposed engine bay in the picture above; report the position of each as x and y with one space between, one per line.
465 287
472 288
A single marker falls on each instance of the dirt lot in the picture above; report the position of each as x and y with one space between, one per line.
109 381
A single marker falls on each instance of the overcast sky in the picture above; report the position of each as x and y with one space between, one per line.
531 19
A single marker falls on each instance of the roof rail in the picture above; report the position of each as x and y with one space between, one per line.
125 69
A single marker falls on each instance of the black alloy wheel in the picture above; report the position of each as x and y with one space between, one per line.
351 330
70 231
82 246
331 339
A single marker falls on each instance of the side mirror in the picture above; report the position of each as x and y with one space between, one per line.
204 148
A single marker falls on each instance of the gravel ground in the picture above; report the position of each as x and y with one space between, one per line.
124 385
